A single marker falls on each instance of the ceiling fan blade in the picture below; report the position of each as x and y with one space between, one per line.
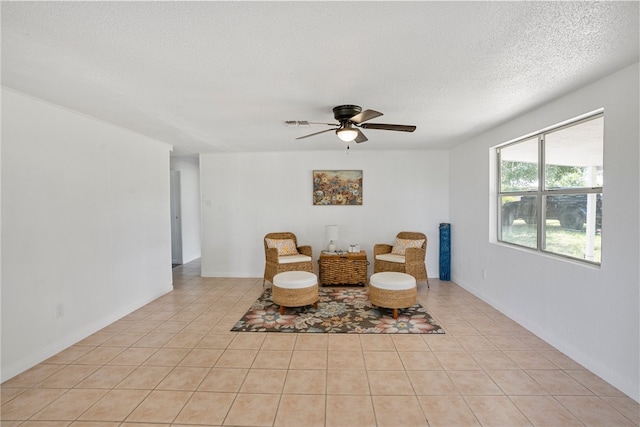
364 116
322 123
360 138
382 126
316 133
304 123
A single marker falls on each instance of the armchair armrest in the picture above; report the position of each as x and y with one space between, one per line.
415 254
306 250
381 248
272 255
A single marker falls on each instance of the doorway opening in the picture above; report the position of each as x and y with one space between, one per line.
176 220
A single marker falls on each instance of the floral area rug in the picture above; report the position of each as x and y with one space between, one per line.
340 310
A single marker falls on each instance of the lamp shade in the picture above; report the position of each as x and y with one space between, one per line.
331 232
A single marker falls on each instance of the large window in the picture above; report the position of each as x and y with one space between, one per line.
550 190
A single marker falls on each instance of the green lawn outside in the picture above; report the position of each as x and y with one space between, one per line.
558 240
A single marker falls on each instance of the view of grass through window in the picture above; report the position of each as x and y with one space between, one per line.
559 240
555 207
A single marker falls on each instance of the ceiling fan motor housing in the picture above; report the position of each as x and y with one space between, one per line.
345 112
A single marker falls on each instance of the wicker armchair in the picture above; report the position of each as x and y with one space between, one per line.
303 261
412 262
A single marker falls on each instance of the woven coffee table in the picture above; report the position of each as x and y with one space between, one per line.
349 268
295 289
394 290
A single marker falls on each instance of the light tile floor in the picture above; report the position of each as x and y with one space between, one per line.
174 362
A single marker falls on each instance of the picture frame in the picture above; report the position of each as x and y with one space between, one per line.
337 188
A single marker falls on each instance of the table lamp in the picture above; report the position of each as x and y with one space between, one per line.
331 234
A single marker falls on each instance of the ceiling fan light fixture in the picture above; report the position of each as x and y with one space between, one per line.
347 134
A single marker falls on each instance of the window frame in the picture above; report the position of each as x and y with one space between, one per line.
542 192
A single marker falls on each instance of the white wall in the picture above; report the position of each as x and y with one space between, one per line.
246 196
589 313
189 168
85 224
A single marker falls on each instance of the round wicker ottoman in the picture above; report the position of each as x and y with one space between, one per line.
394 290
295 289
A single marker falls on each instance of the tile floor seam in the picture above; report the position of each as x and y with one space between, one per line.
599 398
79 418
472 411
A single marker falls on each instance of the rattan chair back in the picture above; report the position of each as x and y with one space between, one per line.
414 259
273 267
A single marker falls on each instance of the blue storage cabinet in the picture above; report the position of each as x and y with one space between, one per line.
445 251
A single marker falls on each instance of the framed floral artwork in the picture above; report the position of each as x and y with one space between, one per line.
337 187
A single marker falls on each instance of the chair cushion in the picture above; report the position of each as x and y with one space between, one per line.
284 246
391 258
402 245
293 258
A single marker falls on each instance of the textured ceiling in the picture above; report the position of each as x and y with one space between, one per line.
224 76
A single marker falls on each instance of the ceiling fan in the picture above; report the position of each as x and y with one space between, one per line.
351 118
